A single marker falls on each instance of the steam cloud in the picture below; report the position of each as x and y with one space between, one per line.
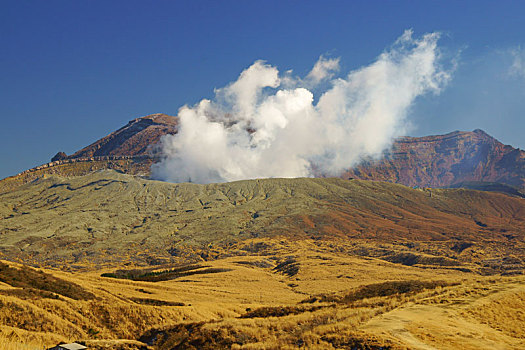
518 63
267 125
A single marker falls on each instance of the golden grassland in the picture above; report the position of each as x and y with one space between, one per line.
329 300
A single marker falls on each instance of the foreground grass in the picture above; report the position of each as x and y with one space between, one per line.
331 300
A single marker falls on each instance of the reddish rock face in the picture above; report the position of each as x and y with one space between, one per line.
431 161
443 160
137 138
59 156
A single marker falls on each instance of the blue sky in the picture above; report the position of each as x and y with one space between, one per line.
73 71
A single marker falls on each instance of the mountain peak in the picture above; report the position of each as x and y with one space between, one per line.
444 160
133 139
481 132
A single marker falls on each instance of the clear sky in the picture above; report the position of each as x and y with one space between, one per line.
73 71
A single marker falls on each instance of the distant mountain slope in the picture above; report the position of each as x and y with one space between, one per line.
444 160
134 139
106 216
130 149
430 161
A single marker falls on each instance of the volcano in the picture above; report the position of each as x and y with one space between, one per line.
448 160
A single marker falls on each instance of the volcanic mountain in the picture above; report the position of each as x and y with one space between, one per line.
269 263
130 149
456 159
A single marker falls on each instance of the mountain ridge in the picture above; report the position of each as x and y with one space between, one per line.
444 160
428 161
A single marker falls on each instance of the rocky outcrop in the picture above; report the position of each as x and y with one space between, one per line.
444 160
59 156
137 138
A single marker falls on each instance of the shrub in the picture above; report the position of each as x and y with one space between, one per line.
26 277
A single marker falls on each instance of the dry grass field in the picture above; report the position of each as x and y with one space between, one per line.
329 300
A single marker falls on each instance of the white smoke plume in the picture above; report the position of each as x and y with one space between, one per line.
517 68
324 68
259 127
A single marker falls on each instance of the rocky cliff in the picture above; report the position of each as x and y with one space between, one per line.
137 138
430 161
445 160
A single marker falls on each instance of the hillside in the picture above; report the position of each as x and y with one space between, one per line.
490 186
107 216
333 301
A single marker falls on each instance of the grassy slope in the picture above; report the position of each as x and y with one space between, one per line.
129 166
109 216
452 316
491 187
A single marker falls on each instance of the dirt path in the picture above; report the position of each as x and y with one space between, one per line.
446 326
